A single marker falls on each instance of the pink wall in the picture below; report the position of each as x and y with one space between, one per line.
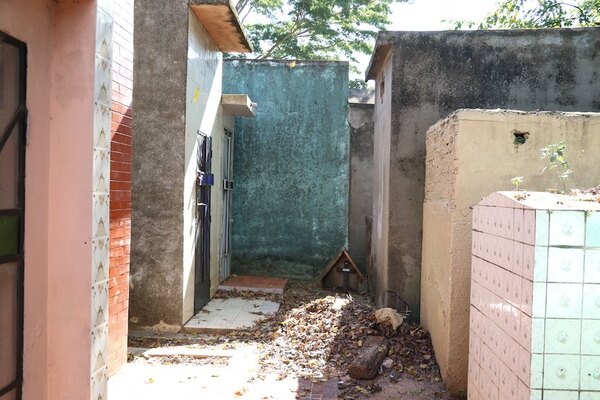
70 201
60 91
31 22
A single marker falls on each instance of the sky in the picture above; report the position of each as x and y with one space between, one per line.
429 15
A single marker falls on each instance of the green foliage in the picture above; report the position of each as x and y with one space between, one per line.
556 158
314 29
526 14
516 181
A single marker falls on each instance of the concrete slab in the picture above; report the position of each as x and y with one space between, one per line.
227 315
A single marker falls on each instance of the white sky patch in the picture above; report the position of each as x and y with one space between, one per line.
423 15
430 15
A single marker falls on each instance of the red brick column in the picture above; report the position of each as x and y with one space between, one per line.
120 184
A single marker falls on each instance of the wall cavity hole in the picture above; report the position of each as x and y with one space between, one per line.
520 138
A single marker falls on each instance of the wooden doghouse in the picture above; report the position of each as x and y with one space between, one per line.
342 274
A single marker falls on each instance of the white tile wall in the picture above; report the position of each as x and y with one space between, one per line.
100 201
535 303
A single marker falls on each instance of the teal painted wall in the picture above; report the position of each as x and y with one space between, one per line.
291 166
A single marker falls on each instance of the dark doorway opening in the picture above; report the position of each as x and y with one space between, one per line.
13 119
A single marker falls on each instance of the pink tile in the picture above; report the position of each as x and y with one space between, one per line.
494 249
515 323
507 284
486 250
523 391
529 227
484 383
517 264
487 225
528 261
515 356
525 332
519 222
514 296
508 383
503 347
507 316
526 296
524 371
475 243
475 218
495 217
498 309
473 380
505 223
508 254
486 274
476 269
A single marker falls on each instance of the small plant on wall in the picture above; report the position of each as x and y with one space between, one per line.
555 157
556 161
516 181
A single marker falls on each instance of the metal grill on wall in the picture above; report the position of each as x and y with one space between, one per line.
13 119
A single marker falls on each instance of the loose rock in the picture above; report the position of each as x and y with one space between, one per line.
389 315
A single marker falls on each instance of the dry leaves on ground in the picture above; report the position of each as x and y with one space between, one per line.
316 335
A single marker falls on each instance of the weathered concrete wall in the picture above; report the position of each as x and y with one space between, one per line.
378 263
360 118
436 73
290 203
470 154
158 162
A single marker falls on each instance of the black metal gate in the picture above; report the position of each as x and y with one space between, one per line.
204 180
13 119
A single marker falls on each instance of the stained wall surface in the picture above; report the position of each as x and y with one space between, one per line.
360 119
470 154
436 73
291 166
164 162
157 165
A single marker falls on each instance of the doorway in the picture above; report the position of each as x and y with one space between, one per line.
13 119
225 251
204 181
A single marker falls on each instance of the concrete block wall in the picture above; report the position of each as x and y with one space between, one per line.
120 184
291 166
360 119
470 154
535 298
429 75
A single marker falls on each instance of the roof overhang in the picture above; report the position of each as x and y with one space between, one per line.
238 105
383 46
221 21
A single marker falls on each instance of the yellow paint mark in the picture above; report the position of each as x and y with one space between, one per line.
196 95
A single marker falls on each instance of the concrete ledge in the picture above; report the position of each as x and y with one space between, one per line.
238 105
221 21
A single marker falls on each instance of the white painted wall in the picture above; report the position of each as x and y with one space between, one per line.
203 112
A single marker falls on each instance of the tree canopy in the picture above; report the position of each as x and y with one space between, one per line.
523 14
313 29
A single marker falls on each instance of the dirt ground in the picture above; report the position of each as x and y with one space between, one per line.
314 336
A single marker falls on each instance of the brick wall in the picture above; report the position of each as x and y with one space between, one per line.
120 184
